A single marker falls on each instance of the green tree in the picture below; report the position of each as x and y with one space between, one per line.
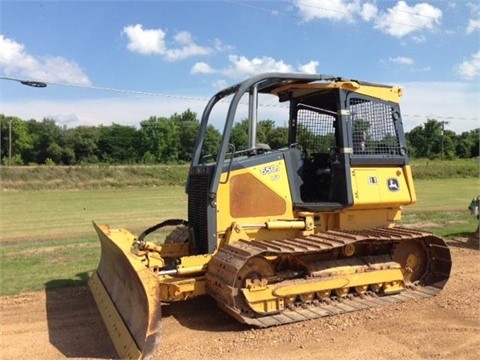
160 139
475 147
426 139
468 144
21 141
267 133
431 140
278 137
118 144
463 148
48 143
84 142
239 135
448 144
188 126
211 144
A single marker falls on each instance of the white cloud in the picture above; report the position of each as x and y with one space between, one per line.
15 61
145 41
473 25
245 66
220 84
202 68
153 41
368 12
402 60
474 8
188 50
469 69
220 46
397 21
242 67
335 10
402 63
183 38
419 38
309 68
403 19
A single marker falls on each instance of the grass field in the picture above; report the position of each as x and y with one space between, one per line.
33 216
47 236
444 194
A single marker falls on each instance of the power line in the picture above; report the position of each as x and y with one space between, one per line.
38 84
255 7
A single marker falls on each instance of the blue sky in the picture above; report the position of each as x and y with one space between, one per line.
173 55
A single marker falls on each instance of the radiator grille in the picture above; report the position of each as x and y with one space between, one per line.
199 184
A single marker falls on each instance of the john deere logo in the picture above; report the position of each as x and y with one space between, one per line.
393 184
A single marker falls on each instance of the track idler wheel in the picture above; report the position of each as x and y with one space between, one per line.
254 273
413 259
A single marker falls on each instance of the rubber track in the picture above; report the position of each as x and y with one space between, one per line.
228 261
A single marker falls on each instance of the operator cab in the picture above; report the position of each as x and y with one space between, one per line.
334 125
338 126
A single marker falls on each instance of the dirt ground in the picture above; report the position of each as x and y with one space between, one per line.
66 324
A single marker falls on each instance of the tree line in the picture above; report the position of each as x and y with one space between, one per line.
170 140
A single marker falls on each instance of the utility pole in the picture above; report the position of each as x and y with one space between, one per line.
10 142
443 131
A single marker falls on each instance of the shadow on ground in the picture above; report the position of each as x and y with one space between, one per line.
463 240
202 314
75 326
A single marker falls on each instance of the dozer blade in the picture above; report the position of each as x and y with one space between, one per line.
127 295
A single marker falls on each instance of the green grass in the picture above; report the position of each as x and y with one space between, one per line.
448 224
47 265
19 178
442 206
15 178
48 240
444 194
445 169
33 216
47 237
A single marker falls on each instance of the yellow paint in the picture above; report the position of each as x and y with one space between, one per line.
376 187
385 92
263 300
274 176
179 289
123 342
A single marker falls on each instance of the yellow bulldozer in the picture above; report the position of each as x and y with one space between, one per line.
280 235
